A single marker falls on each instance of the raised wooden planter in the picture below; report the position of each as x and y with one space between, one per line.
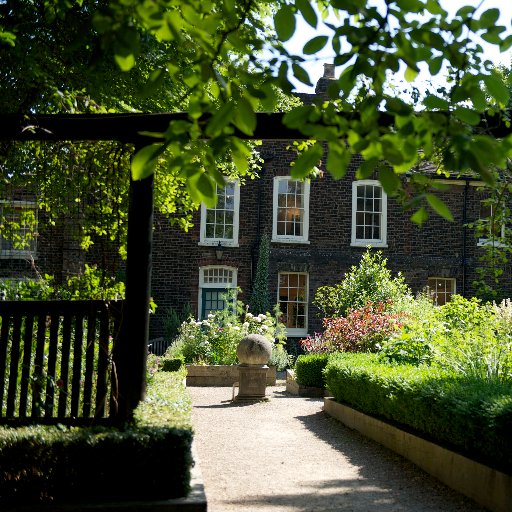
220 375
487 486
294 388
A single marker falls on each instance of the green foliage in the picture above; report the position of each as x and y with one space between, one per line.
55 464
464 336
371 281
173 319
470 415
215 339
208 59
27 289
309 369
93 284
493 236
259 301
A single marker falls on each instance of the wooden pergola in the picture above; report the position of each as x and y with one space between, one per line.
131 353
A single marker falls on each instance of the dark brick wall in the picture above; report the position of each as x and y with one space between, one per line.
437 249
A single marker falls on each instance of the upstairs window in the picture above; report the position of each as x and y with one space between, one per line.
18 229
220 224
293 302
291 210
441 289
369 214
494 227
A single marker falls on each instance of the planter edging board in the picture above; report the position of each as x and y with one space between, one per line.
485 485
220 375
294 388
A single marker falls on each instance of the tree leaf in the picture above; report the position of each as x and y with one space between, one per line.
315 45
284 23
307 161
307 11
497 88
201 188
245 118
420 216
220 119
439 206
467 115
338 159
301 74
410 74
145 160
389 180
434 102
489 18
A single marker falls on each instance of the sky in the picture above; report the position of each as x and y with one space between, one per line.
314 65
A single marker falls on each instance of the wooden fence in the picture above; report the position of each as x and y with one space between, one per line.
56 361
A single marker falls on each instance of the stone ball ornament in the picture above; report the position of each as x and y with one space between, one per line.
254 349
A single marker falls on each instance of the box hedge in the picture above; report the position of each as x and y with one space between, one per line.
147 460
471 416
309 370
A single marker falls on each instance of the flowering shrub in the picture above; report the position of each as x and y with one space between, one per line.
314 344
215 339
362 330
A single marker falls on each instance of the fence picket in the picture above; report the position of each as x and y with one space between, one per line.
4 337
14 365
27 358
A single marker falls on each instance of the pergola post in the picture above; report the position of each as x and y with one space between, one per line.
131 348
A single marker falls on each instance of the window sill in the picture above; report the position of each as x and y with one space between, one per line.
215 243
484 242
289 241
372 243
17 255
296 333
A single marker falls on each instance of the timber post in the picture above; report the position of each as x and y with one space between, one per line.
131 349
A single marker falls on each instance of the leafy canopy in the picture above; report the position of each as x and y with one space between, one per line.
223 60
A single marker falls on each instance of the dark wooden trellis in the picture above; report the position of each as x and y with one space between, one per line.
131 351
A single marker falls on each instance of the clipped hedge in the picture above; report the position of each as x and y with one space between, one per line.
471 416
148 460
309 370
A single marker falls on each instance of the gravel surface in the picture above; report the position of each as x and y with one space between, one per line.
287 455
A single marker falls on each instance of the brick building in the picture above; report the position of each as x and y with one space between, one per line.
317 228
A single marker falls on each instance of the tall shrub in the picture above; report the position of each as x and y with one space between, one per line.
258 302
370 281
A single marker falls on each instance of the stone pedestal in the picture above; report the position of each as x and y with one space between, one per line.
252 382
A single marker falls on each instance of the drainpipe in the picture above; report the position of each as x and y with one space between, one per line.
464 237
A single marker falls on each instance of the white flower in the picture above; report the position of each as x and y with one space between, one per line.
264 327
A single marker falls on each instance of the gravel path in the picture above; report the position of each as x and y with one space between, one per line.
287 455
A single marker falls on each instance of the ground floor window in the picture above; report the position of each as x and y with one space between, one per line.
293 301
214 284
441 289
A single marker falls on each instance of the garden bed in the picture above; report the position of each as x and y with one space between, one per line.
485 485
220 375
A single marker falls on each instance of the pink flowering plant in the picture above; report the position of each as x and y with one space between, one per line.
361 330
